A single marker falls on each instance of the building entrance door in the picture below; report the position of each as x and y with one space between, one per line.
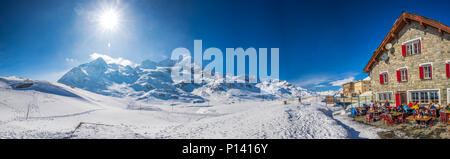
400 98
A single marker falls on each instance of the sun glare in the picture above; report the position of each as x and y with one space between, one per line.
109 20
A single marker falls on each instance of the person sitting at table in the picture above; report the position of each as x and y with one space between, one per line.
410 105
415 107
421 113
400 108
422 107
428 113
438 106
382 108
429 105
424 112
363 110
405 108
387 104
432 107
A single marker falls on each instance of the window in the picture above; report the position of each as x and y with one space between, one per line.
411 48
384 96
448 96
425 71
414 97
424 97
402 75
384 78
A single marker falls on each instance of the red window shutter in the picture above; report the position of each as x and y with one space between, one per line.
431 72
421 72
403 50
406 74
399 76
381 79
447 65
397 99
420 48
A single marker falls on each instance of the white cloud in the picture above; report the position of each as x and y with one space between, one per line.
312 80
322 80
71 60
366 79
343 81
109 59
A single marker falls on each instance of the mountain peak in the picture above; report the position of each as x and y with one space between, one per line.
98 61
148 64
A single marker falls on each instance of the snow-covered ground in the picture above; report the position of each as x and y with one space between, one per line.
59 111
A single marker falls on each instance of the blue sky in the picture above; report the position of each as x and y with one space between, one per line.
321 42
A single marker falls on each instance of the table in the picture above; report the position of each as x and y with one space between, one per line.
374 111
422 121
397 114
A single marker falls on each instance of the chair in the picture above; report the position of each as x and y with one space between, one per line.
377 116
369 117
448 118
443 117
389 120
401 117
433 112
382 116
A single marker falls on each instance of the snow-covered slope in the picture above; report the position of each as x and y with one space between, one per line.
151 81
42 98
58 111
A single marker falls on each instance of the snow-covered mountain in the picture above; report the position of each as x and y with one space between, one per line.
152 81
329 93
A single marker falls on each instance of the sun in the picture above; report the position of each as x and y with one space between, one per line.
109 19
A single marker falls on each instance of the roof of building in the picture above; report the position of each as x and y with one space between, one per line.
404 19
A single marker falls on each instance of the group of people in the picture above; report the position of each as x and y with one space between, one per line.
415 108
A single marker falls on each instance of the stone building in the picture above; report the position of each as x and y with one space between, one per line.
412 62
348 89
352 89
362 86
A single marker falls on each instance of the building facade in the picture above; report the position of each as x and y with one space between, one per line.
352 89
362 86
348 89
412 62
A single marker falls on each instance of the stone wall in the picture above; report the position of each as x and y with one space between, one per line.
435 49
